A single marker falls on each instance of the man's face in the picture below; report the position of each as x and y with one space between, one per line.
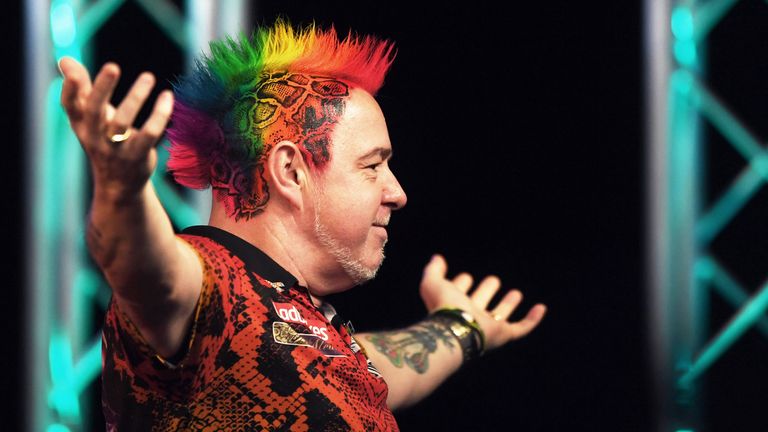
357 191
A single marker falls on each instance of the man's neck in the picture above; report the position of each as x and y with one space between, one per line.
281 239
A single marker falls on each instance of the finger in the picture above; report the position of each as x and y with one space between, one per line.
133 101
485 291
109 113
463 281
153 128
507 305
76 87
103 86
435 269
527 324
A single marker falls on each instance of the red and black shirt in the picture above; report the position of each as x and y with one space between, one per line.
260 356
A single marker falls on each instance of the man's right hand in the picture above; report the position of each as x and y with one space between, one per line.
155 276
120 169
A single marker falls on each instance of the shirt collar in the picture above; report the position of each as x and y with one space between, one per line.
255 260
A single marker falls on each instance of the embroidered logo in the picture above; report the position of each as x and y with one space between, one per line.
285 334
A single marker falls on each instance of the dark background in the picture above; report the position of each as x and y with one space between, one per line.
519 137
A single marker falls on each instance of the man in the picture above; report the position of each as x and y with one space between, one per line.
224 327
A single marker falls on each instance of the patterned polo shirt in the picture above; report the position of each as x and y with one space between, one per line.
259 356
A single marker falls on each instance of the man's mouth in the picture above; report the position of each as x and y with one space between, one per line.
383 222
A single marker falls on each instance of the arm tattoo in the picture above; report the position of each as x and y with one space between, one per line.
413 345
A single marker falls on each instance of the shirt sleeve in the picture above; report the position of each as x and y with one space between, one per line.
128 354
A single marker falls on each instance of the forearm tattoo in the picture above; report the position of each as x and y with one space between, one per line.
413 346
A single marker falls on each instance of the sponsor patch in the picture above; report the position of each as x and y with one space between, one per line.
285 334
290 313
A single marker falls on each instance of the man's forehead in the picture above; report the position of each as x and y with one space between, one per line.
362 132
381 151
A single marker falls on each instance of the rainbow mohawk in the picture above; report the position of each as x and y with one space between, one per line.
210 120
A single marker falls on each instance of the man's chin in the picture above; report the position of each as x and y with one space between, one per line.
361 272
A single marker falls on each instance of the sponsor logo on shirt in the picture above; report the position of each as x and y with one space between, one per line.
285 334
289 313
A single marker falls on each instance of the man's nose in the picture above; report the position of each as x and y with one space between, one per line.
394 195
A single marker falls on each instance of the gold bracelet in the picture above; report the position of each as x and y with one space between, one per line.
465 328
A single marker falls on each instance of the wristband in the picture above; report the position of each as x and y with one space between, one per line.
465 328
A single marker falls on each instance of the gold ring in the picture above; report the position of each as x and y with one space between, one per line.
120 137
497 317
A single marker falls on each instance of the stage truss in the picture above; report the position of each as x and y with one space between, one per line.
684 272
64 291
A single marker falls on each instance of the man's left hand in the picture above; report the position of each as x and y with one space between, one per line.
438 292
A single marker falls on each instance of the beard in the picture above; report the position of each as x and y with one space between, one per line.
352 266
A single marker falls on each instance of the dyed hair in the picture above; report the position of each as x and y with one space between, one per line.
252 92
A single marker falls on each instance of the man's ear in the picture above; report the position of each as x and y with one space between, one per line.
288 172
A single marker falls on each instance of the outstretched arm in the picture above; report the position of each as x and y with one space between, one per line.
155 277
415 360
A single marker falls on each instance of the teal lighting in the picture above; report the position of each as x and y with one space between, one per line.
66 289
62 397
737 134
93 19
168 18
759 164
745 142
684 49
682 23
705 269
63 28
681 83
708 14
743 320
709 270
682 228
728 205
88 367
87 283
685 52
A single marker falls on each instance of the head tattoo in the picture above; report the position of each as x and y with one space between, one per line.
252 92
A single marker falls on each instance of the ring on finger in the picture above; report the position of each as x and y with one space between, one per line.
497 317
120 136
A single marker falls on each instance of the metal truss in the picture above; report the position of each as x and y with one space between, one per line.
683 270
63 342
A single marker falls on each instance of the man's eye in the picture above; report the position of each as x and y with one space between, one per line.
373 166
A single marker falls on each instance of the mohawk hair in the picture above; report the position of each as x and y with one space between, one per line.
219 110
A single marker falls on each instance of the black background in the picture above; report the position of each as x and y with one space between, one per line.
519 134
